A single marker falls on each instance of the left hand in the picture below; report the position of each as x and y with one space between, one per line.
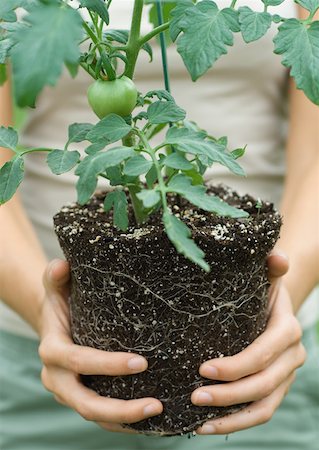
263 372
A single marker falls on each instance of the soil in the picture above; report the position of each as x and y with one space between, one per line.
133 292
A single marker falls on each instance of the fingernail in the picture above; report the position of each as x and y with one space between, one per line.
207 428
136 363
210 372
204 398
150 410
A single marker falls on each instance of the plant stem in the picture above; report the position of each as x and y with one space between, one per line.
153 33
133 44
233 3
32 150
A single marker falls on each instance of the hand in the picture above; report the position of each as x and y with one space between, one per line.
63 362
263 372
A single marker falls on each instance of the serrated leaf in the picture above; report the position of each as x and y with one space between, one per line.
161 94
92 165
136 166
180 236
5 45
149 197
38 61
61 161
253 24
118 200
78 132
299 45
8 138
207 31
177 161
97 6
177 15
11 175
272 2
310 5
110 129
120 36
195 143
165 112
182 185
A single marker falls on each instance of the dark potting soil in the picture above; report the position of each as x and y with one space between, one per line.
133 292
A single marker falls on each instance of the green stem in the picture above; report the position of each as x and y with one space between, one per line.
161 182
233 3
88 69
32 150
133 44
153 33
140 213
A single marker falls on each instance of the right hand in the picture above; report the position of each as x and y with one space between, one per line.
63 361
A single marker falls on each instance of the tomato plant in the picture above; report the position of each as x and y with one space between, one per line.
118 97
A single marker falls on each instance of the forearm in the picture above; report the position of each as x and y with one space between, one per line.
300 204
22 261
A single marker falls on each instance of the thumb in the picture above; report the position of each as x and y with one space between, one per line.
56 275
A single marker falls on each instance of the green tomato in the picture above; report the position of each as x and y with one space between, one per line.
118 97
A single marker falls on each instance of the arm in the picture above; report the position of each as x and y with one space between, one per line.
22 263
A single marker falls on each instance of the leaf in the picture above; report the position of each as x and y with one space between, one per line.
177 15
151 177
165 112
11 175
197 196
5 45
299 45
207 31
189 141
180 235
78 132
136 166
149 197
177 161
110 129
8 138
3 74
94 148
61 161
310 5
38 61
118 200
238 152
93 165
97 6
122 36
166 9
253 24
272 2
161 94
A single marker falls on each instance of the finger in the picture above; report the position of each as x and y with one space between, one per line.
278 264
282 331
254 387
255 414
87 360
115 428
94 407
56 275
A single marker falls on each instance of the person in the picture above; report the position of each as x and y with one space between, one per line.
244 97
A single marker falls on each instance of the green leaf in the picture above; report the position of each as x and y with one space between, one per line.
177 161
5 45
272 2
189 141
136 166
97 6
151 177
122 36
94 148
8 138
310 5
11 175
150 197
161 94
118 200
177 15
180 235
41 48
61 161
95 164
195 175
238 152
165 112
3 74
299 45
207 31
78 132
110 129
253 24
197 196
